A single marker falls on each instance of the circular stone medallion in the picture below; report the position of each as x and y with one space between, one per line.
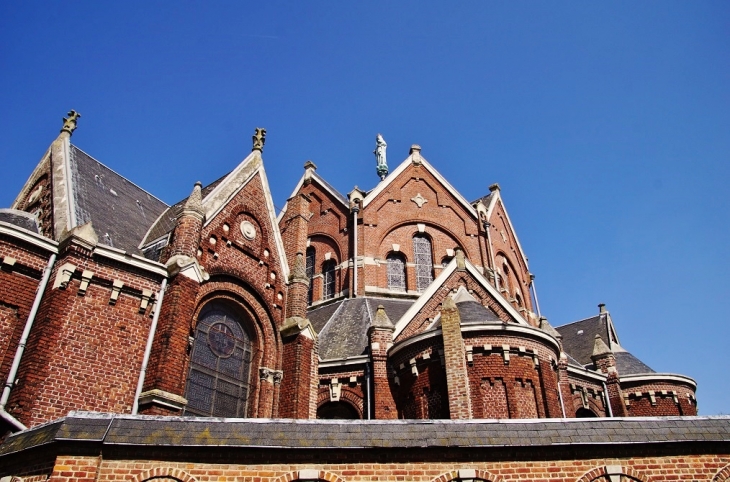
248 230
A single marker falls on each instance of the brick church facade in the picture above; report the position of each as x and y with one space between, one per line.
404 302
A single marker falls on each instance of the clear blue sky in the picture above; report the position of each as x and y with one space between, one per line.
607 124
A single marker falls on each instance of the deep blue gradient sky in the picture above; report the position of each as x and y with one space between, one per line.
606 124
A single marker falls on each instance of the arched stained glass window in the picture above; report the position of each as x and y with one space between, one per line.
310 273
220 364
328 272
424 262
396 272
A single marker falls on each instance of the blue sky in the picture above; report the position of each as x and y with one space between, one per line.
607 125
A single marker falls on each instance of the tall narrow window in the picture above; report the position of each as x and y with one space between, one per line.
328 272
220 364
310 273
396 272
424 262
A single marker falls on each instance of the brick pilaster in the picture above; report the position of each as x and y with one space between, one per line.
300 366
457 378
380 336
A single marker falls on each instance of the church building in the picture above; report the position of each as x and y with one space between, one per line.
122 316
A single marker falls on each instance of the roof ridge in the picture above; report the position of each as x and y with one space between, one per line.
577 321
115 172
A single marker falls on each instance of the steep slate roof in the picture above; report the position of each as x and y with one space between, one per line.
20 218
628 364
177 433
484 199
166 222
579 336
120 211
344 331
475 312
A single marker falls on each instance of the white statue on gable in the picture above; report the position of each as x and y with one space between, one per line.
382 164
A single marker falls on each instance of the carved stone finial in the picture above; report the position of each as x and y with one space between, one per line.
495 187
69 123
600 347
460 259
381 320
259 139
380 158
310 165
194 204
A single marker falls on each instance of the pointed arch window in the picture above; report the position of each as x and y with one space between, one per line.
310 273
396 272
328 272
424 262
220 364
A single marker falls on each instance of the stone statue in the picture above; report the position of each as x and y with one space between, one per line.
259 139
69 123
380 146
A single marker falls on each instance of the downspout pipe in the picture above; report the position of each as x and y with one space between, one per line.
534 294
607 400
355 210
148 348
21 346
368 401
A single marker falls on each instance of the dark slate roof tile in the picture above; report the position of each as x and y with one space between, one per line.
20 218
475 312
179 432
166 222
120 211
578 337
628 364
343 326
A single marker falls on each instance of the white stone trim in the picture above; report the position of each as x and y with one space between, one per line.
298 187
219 197
414 339
509 329
402 167
586 373
135 260
28 236
654 377
338 362
492 203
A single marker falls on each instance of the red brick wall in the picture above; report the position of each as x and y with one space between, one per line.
18 286
84 353
664 403
531 392
299 366
327 231
638 468
508 252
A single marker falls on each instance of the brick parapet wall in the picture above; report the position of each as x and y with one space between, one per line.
658 399
444 468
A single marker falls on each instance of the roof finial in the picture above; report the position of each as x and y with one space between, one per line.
380 146
259 139
69 123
